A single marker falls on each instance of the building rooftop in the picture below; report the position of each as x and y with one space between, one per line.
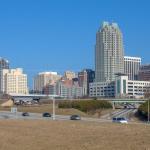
53 73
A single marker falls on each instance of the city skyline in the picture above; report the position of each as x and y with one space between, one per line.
26 29
75 74
46 36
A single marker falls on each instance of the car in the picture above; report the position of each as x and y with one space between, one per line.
46 114
120 120
25 114
125 107
75 117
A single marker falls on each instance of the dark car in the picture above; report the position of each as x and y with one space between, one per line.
75 117
46 114
25 114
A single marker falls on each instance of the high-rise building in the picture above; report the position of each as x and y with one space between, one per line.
4 64
64 88
14 81
109 52
144 73
85 77
68 91
43 79
131 67
69 75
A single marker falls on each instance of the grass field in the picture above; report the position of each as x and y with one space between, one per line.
72 135
45 108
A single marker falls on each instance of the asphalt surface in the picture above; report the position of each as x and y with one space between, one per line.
38 116
123 113
32 116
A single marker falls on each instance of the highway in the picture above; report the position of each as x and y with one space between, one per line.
123 113
38 116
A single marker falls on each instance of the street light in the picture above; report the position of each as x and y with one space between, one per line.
53 108
148 112
147 95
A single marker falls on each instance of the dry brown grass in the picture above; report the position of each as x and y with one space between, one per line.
45 108
72 135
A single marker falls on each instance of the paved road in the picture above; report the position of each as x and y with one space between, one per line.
124 113
120 113
38 116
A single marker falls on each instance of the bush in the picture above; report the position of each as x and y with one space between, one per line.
65 104
143 109
86 105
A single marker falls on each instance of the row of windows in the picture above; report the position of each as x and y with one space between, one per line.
105 95
102 91
106 87
137 83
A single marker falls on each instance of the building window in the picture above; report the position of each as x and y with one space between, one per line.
118 86
124 86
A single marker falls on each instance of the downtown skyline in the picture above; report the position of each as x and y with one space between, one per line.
49 37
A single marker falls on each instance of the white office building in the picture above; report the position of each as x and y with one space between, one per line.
132 67
131 88
14 81
121 88
109 52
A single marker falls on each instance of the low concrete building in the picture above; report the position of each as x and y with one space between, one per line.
102 89
120 88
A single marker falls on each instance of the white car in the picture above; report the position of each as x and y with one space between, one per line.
120 120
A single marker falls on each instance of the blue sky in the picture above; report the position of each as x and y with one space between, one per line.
59 35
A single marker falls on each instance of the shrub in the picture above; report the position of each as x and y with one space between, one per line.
65 104
85 105
143 109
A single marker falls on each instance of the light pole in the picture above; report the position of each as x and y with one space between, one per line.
53 108
148 112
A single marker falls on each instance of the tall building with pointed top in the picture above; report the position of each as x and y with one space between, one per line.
109 52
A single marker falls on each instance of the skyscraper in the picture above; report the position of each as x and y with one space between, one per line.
109 52
43 79
132 67
144 72
14 81
4 64
85 77
69 75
